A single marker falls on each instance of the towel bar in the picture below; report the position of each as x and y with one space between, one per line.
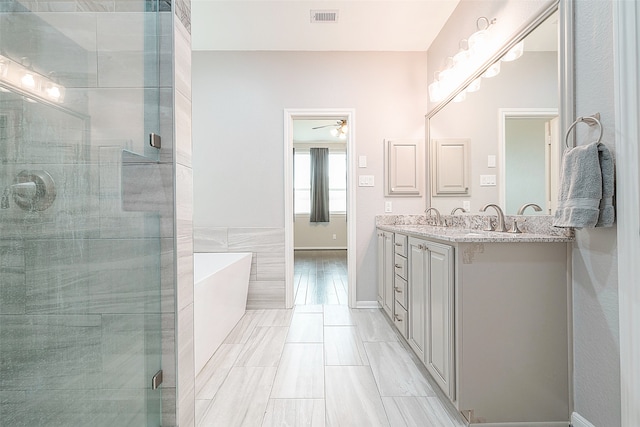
590 120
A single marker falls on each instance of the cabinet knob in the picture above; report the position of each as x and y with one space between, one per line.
398 266
398 244
397 318
398 290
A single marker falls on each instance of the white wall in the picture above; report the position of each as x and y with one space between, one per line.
239 98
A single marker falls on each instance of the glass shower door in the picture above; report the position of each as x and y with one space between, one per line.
83 214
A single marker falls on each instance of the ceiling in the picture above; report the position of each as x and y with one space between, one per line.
363 25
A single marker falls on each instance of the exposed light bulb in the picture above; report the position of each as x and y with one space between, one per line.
514 53
343 136
492 71
28 81
460 97
474 86
436 94
334 132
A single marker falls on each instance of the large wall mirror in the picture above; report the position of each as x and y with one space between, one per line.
512 126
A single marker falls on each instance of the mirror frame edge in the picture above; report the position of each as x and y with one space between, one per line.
566 82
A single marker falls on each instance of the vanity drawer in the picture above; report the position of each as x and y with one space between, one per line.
400 244
400 319
400 291
400 266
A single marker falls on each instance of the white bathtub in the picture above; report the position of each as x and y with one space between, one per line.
221 281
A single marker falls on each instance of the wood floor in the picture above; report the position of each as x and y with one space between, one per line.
317 365
320 277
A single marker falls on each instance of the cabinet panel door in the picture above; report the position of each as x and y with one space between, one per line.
388 273
440 317
417 295
380 268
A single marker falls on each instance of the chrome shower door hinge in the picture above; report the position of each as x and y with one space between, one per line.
155 140
156 380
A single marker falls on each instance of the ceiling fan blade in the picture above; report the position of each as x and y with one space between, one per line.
325 126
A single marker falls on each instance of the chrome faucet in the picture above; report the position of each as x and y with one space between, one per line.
438 221
533 205
500 226
453 212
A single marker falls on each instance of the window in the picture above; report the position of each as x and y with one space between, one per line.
337 182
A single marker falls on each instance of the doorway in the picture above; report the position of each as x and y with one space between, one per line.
319 246
530 155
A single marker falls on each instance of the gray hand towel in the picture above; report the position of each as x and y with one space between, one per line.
586 188
607 212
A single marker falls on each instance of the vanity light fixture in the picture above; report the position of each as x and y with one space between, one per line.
465 61
514 53
14 75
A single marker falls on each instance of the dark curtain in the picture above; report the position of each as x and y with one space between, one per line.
319 185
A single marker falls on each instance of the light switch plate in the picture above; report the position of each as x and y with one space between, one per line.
487 180
365 180
362 161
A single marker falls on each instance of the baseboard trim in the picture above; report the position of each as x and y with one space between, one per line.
578 420
523 424
367 304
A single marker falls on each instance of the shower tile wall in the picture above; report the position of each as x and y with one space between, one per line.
84 282
184 221
266 283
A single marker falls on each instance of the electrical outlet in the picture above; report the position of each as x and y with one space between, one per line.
466 205
491 161
388 207
334 237
362 161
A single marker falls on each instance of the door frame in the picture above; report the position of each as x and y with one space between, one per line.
290 114
503 115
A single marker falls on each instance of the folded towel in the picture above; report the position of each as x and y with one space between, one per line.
607 212
586 188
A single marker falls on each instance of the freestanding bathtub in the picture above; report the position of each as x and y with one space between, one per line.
221 281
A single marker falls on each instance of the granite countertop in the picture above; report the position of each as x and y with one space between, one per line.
456 234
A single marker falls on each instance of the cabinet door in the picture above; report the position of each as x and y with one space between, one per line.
388 273
417 284
380 268
439 350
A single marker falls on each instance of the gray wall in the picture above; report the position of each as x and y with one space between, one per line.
239 98
595 273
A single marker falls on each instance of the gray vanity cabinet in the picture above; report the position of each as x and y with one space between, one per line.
487 319
431 309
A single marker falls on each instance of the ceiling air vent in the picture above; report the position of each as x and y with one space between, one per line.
324 16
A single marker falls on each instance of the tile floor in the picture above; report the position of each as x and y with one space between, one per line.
318 365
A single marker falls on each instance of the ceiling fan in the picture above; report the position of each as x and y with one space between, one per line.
340 128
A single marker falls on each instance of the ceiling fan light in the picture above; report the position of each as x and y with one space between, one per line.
344 128
334 132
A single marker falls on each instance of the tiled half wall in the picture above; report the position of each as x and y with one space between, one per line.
266 283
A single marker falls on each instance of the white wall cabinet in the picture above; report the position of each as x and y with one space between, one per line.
450 166
490 323
403 167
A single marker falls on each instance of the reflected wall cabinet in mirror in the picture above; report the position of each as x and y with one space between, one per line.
511 124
